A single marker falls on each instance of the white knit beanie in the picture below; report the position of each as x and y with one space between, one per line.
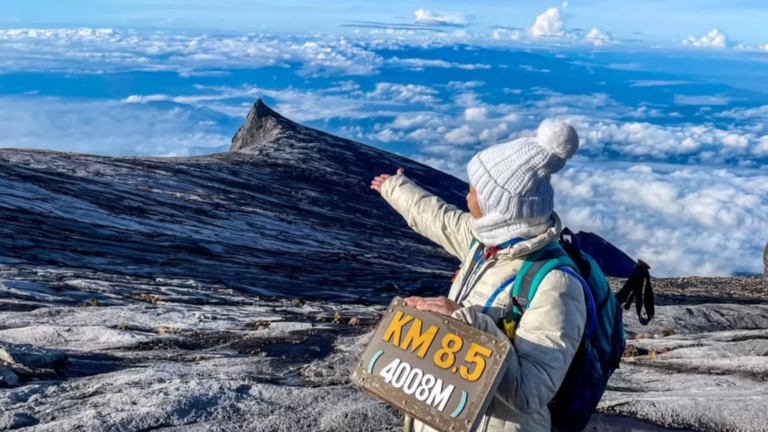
513 182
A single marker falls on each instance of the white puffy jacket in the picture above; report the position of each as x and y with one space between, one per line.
550 331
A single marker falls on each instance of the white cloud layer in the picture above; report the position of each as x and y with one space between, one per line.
684 221
421 64
659 83
108 127
701 100
97 51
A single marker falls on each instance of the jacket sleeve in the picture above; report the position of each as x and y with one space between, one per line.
545 343
428 215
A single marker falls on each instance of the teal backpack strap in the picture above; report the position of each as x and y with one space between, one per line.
534 270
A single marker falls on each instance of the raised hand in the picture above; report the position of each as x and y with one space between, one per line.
379 180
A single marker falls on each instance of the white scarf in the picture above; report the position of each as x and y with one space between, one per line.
495 229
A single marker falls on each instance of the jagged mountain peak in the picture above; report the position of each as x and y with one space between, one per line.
268 136
263 126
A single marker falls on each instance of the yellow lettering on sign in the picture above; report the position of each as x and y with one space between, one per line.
475 355
445 357
395 328
415 339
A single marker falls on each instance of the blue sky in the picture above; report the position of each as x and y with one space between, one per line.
742 20
673 165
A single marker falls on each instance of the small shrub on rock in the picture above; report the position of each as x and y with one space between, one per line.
667 332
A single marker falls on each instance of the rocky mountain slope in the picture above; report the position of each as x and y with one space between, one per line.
287 212
234 292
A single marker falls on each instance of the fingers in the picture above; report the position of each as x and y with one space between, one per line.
378 181
432 304
413 301
439 305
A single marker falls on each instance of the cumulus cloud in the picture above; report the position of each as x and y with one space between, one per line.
551 24
600 38
410 93
139 99
429 18
412 121
461 136
746 113
548 24
507 34
761 149
530 68
348 86
495 134
477 113
713 39
465 85
388 135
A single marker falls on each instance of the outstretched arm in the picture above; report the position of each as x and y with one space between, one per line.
427 214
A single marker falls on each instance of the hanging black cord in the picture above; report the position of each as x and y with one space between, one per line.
638 289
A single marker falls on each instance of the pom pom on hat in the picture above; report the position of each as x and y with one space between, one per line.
513 186
559 138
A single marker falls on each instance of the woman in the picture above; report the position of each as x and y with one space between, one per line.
511 215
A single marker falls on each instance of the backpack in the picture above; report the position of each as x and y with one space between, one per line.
602 346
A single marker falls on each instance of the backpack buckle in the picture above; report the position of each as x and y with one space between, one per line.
520 302
509 328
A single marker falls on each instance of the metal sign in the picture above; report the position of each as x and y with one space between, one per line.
434 368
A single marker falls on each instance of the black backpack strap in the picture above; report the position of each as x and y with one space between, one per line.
573 249
638 289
